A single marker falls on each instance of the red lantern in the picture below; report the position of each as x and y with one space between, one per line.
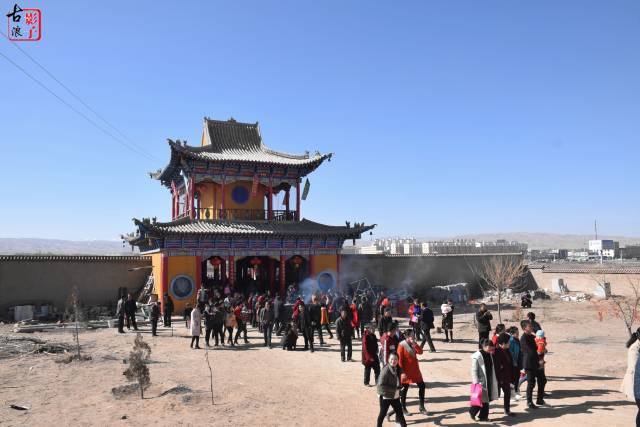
216 261
297 261
255 261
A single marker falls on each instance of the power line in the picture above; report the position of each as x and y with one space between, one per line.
73 94
131 147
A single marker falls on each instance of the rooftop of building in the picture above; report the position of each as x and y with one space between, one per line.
233 141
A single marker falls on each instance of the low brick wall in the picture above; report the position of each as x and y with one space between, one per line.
50 279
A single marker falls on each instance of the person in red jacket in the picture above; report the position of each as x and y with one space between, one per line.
370 354
503 365
355 320
388 344
408 352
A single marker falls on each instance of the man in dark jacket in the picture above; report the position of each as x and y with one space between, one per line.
278 308
266 317
483 322
314 315
385 321
531 365
304 327
426 324
155 315
344 332
130 308
365 314
503 365
168 309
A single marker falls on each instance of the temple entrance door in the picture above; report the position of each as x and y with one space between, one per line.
296 271
255 274
214 272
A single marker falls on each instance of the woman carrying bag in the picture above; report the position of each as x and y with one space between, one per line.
483 375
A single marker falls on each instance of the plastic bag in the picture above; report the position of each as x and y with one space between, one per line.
476 395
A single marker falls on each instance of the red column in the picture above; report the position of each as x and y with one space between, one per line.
198 273
338 260
164 278
223 270
222 196
286 203
270 201
283 284
191 195
298 200
232 270
312 267
272 275
173 205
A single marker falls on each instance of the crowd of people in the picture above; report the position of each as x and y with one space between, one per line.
502 363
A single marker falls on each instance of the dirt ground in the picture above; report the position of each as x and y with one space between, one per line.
260 387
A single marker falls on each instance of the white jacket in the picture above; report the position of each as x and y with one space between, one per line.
479 376
196 322
629 380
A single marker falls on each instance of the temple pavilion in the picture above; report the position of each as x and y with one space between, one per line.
225 230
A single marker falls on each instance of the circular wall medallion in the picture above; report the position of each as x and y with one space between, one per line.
240 194
326 280
182 287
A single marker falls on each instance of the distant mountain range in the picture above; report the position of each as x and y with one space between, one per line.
114 247
63 247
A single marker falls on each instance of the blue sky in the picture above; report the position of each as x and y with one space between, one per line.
445 117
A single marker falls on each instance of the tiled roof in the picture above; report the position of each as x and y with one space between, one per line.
232 140
273 228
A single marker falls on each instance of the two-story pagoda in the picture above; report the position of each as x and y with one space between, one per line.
224 229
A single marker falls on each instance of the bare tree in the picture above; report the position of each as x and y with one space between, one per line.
501 272
622 307
138 370
75 314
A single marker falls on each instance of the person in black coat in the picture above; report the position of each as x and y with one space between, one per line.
168 309
278 312
483 322
426 324
385 321
314 315
154 317
365 314
344 333
130 308
531 365
305 327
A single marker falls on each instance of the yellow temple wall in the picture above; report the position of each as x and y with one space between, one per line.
185 265
211 192
325 262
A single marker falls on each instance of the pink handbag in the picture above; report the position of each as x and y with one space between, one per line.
476 395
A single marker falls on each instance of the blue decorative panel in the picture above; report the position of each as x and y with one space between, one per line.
182 287
240 194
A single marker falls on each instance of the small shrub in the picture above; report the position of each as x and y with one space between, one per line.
138 370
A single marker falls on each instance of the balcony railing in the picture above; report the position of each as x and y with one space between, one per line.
241 214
